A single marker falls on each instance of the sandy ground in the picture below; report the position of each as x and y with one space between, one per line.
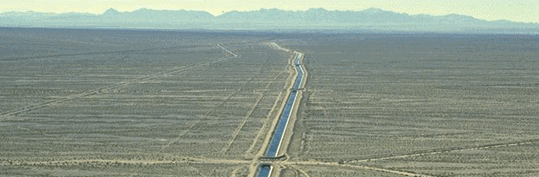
377 107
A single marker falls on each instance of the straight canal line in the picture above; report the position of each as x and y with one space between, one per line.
279 132
276 141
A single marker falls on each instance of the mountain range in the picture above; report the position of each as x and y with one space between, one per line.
372 19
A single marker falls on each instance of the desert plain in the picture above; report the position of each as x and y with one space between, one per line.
106 102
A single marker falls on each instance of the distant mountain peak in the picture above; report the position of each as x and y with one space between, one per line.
272 18
111 11
457 16
318 9
270 9
374 10
461 18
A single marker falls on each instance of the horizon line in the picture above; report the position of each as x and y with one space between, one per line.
254 10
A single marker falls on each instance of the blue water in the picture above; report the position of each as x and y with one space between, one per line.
298 80
279 130
264 171
273 147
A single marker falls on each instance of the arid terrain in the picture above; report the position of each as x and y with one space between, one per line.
439 105
107 102
182 103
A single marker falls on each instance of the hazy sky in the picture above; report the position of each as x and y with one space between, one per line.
515 10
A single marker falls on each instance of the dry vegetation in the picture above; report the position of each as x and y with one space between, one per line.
70 107
158 103
408 102
118 169
317 170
